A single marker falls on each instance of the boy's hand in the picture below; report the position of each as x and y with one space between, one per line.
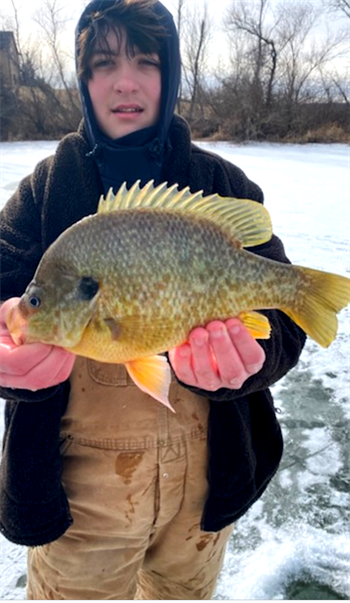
30 366
223 354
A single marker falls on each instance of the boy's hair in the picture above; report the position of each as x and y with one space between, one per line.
136 17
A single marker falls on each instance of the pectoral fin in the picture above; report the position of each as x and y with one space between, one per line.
114 327
256 323
152 375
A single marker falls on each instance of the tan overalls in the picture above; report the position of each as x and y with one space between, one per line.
136 478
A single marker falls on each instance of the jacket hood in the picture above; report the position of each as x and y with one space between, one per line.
143 148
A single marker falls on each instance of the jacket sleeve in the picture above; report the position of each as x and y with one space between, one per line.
21 250
33 506
21 243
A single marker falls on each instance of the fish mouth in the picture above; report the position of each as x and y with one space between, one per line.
17 325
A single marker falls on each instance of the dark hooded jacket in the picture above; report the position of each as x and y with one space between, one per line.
139 155
245 440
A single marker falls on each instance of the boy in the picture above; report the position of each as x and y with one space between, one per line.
138 502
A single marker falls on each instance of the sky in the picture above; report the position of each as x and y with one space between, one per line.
27 9
216 8
73 8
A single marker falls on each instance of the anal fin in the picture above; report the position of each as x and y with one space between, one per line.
257 324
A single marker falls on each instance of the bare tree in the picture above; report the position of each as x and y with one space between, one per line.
304 60
16 26
277 62
196 38
251 19
52 20
296 63
179 21
336 86
47 102
339 6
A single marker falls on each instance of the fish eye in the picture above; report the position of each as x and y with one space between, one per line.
88 288
33 296
34 301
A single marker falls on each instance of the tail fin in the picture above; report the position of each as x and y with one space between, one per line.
320 297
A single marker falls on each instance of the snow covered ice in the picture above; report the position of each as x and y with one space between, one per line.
294 543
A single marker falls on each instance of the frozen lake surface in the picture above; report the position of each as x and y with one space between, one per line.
294 543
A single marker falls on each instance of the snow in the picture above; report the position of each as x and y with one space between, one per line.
294 543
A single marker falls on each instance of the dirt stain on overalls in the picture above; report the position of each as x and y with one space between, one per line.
126 464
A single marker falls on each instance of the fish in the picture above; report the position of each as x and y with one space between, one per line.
128 283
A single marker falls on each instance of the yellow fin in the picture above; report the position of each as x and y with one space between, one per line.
257 324
321 296
152 375
242 219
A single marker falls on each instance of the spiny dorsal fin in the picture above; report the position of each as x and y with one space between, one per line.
244 220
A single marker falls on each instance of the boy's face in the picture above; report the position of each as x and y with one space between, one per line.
125 91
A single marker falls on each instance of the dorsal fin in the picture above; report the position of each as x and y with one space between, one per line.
246 221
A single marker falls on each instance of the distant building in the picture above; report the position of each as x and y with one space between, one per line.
9 60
